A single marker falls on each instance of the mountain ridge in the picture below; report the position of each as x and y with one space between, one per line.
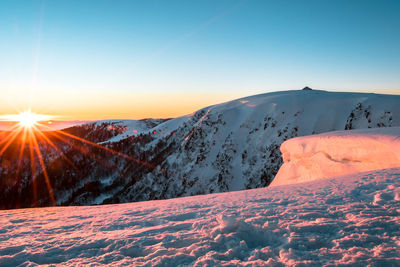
224 147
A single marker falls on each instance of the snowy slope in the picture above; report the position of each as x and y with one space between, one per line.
349 220
338 153
235 145
127 128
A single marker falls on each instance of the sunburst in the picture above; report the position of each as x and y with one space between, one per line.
27 119
28 129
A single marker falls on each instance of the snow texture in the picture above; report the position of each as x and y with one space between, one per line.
338 153
348 220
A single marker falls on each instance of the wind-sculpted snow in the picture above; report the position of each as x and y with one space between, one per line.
350 220
338 153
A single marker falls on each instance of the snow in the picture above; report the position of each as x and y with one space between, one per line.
346 220
311 110
131 127
338 153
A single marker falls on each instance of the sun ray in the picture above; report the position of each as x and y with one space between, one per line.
33 170
21 150
20 155
109 150
104 148
42 165
9 135
83 151
13 136
58 150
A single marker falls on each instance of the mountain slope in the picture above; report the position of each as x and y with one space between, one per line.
225 147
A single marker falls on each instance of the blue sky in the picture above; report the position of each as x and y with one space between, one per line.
64 53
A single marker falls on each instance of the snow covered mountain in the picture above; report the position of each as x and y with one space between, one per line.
225 147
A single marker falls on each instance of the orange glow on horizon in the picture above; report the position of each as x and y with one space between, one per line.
105 105
95 105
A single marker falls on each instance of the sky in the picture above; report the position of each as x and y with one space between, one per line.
86 60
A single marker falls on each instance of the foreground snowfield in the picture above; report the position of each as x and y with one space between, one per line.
342 220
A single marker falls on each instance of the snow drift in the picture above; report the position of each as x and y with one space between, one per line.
338 153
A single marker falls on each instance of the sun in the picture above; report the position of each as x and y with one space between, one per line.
27 119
